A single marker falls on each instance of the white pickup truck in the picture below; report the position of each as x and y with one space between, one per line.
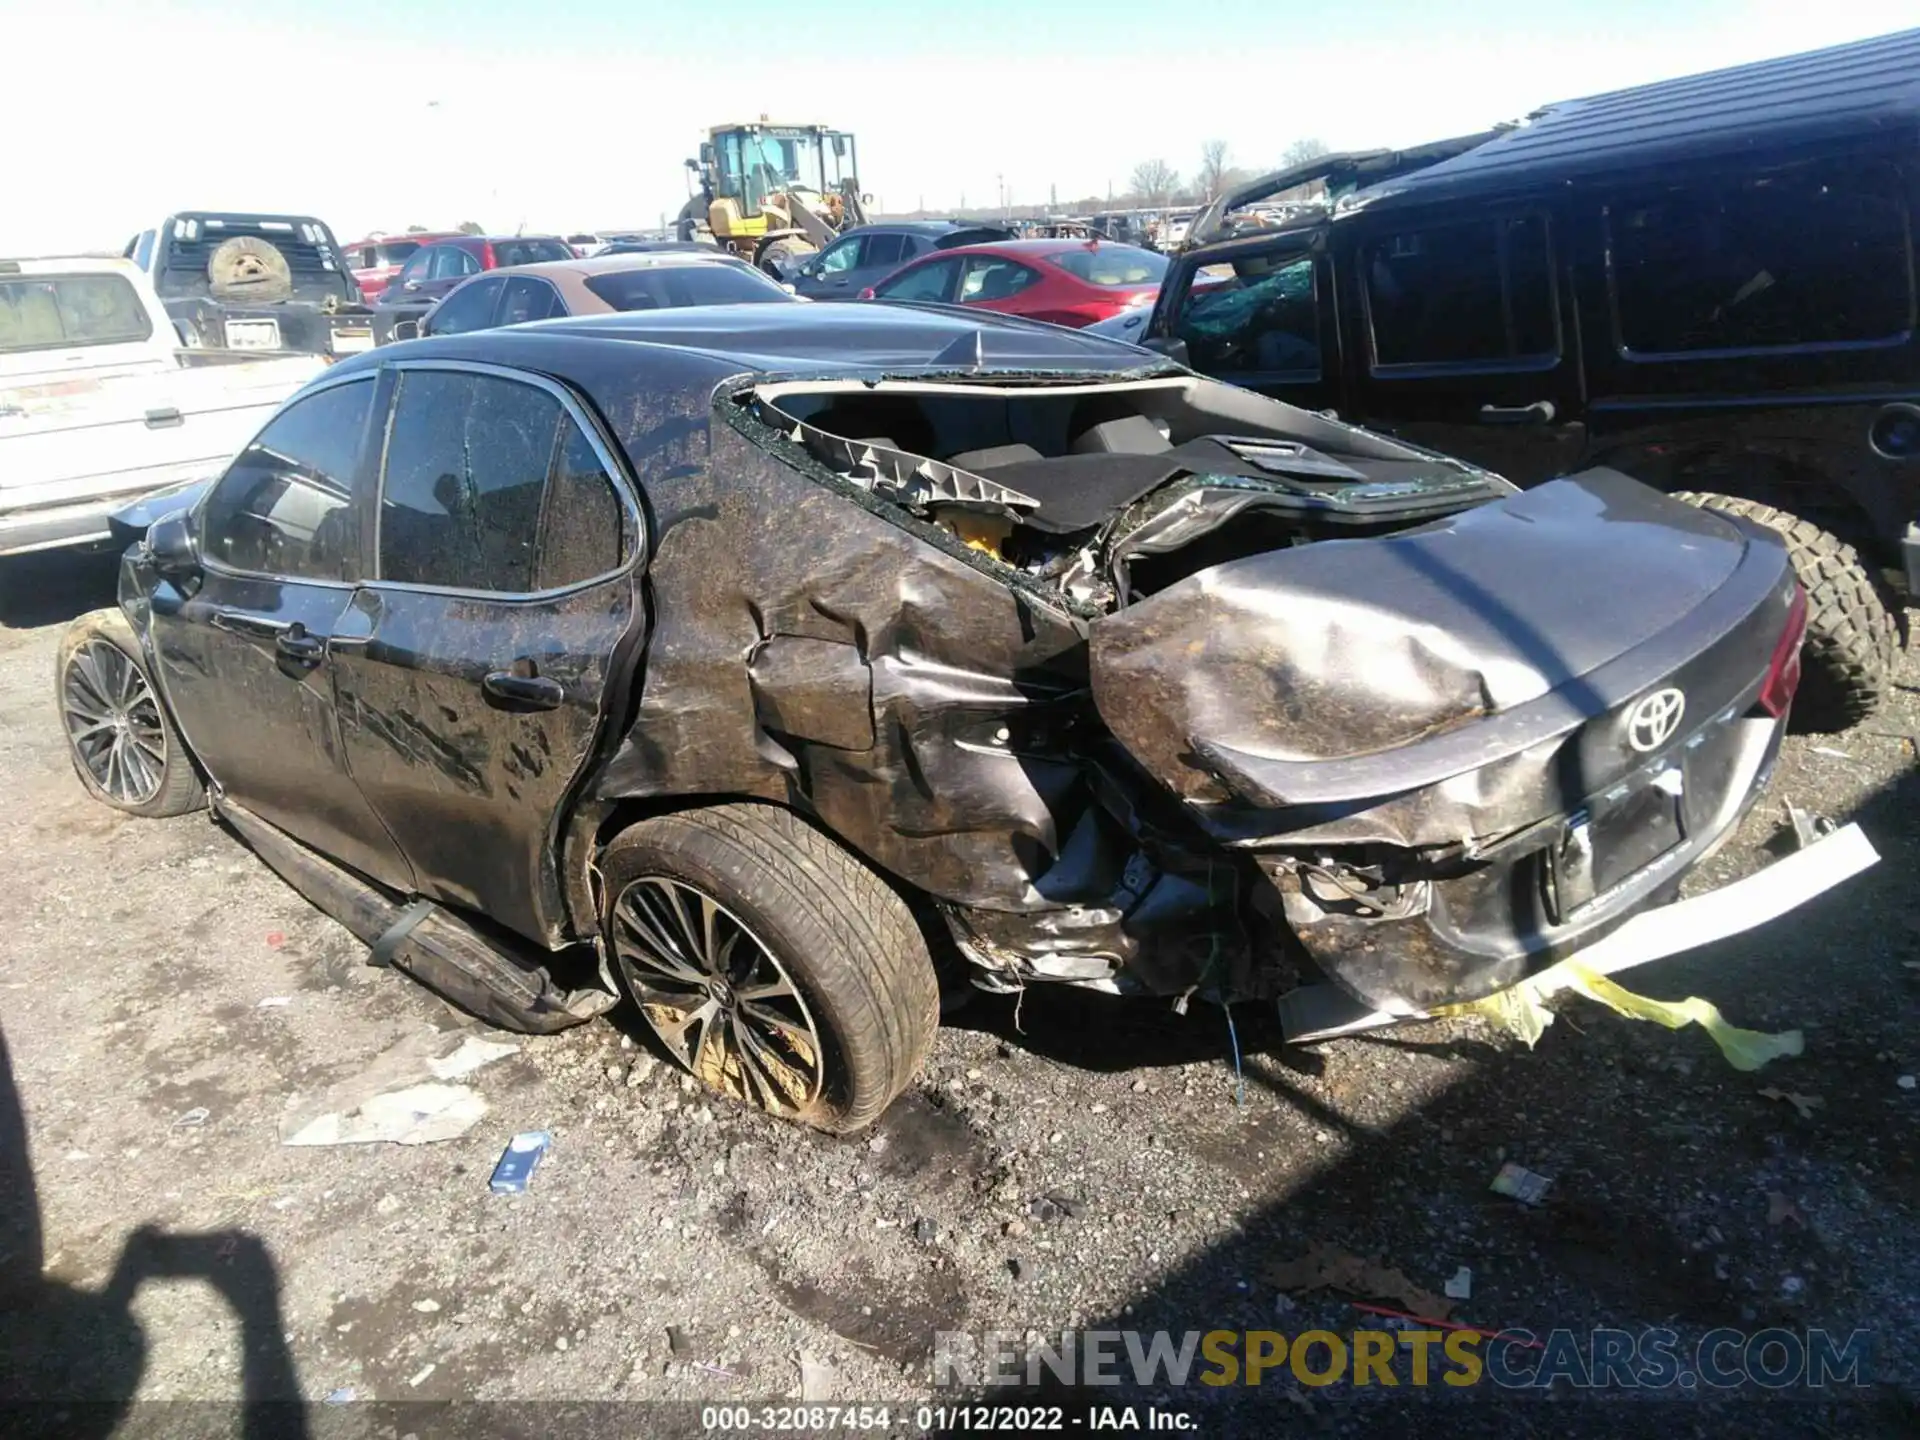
100 404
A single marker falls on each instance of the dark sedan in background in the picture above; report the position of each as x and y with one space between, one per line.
433 272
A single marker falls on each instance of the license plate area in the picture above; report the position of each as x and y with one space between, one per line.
352 340
1620 834
253 334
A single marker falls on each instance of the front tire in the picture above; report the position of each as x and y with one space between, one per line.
1847 660
780 258
123 744
772 964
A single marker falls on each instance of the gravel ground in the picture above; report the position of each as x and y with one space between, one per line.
1073 1161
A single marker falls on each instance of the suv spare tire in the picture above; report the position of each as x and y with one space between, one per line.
246 270
1846 661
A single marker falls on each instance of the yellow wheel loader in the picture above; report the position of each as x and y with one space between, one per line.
773 194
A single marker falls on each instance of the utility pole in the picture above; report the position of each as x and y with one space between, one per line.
1053 195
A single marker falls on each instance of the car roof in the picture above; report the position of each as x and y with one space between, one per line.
923 227
799 340
1039 249
634 260
1870 88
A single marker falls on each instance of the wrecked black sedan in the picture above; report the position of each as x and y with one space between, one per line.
719 656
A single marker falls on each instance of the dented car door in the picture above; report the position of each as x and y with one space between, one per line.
474 666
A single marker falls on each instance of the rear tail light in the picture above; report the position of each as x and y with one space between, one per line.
1783 671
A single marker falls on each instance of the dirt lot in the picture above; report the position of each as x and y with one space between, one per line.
1070 1161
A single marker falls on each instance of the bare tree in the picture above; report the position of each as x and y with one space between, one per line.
1154 181
1212 178
1310 147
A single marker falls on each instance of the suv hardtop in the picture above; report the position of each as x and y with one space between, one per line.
255 282
1707 283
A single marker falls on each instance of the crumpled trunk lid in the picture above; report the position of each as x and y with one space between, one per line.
1341 672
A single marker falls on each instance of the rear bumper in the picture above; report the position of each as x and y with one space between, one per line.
1469 928
301 327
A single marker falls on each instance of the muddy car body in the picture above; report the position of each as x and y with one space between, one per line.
838 621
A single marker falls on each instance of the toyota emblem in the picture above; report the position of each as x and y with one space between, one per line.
1654 718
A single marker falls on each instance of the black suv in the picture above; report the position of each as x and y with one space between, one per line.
711 652
1706 283
255 282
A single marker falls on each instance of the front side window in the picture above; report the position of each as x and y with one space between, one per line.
931 281
468 308
416 269
59 311
1815 257
991 278
703 282
1258 316
528 299
1473 293
840 256
450 262
285 506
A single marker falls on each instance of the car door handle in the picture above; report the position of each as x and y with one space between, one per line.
528 692
295 644
164 419
1540 412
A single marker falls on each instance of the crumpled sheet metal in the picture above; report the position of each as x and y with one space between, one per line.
1346 649
910 701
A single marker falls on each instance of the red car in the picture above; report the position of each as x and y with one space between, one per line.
1068 282
375 260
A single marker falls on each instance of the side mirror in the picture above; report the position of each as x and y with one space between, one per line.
411 285
171 545
406 330
693 165
1171 346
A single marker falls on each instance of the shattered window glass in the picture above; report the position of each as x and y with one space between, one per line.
1260 318
1476 292
1817 257
285 506
466 466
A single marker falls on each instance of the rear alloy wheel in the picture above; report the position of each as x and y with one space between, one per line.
124 748
1847 659
772 965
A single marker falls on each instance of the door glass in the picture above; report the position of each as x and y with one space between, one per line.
528 299
1476 292
466 464
285 506
468 308
991 278
888 250
840 257
583 535
444 262
415 269
931 281
1261 317
1817 257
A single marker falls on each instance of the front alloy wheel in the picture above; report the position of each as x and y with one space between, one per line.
124 748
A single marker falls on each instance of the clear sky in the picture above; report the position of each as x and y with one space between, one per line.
578 115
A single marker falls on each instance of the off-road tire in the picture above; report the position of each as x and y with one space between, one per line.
1846 662
845 937
180 789
780 258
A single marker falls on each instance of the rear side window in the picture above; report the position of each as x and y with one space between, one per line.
57 311
1473 293
1813 258
1112 265
887 250
992 278
476 467
527 299
469 307
285 505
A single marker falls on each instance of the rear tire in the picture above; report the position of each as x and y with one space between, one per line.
801 910
1846 663
122 742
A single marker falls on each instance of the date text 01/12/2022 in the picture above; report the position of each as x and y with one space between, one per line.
938 1419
